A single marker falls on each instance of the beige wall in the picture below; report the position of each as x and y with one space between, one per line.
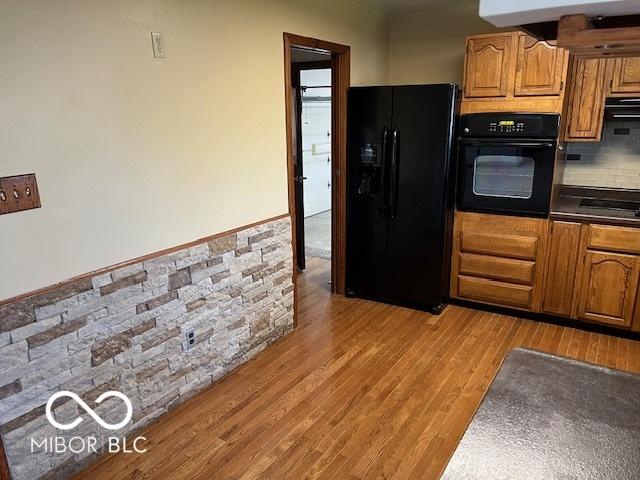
429 46
135 154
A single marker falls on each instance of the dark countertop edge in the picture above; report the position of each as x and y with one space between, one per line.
574 191
577 217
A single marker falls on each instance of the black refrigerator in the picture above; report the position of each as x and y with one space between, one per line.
401 193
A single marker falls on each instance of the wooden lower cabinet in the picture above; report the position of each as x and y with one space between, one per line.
498 260
561 267
585 271
608 288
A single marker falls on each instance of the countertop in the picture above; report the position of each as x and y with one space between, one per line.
567 206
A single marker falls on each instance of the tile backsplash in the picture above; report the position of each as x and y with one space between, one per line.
614 162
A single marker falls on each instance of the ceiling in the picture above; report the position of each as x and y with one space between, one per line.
413 5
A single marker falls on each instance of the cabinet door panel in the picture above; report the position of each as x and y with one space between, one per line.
608 288
561 268
540 67
626 75
487 66
586 102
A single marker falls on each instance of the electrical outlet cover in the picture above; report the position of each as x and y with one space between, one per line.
190 337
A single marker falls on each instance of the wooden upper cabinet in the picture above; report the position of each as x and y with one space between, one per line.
608 288
487 65
626 76
560 275
586 100
540 67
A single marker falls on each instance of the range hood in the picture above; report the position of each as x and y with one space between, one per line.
622 108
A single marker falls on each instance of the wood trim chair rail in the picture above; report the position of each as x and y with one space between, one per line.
137 260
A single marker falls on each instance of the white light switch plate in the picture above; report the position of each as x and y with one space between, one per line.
158 45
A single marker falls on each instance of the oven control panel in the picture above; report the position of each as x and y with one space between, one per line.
506 126
510 125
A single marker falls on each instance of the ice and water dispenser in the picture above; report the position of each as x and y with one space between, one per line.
369 171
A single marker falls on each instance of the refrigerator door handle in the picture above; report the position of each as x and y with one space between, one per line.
394 177
383 174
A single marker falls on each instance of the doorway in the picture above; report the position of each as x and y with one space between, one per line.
311 79
316 84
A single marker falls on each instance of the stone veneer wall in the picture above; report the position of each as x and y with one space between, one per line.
125 330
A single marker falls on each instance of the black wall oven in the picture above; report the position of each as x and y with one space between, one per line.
506 162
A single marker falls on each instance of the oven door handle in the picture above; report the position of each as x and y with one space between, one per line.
508 144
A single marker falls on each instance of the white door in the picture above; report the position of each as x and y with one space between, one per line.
316 140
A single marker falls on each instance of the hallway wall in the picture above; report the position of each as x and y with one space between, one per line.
135 154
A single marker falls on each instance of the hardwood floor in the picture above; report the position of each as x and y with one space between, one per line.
359 390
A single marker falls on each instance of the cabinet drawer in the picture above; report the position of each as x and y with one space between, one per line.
614 239
498 293
513 246
506 269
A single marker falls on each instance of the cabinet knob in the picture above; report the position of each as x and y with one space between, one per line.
466 130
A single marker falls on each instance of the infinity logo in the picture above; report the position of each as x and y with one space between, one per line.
89 410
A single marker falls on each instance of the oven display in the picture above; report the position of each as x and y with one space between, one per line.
506 126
